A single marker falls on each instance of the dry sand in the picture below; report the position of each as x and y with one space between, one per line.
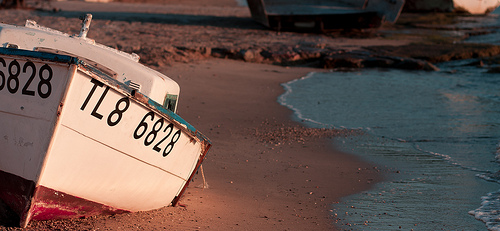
264 171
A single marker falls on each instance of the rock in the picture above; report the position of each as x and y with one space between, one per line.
205 51
251 56
169 49
223 52
415 64
343 61
358 59
378 62
281 56
436 53
308 53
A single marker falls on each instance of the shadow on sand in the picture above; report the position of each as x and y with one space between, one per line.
168 18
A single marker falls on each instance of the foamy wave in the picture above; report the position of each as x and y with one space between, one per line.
288 90
489 212
450 160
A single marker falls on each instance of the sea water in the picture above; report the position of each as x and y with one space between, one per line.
436 133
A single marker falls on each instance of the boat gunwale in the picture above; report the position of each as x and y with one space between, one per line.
112 83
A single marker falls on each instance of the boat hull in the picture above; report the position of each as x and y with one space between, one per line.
324 15
16 192
51 204
92 146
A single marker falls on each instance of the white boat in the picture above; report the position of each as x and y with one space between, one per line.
476 7
324 15
86 129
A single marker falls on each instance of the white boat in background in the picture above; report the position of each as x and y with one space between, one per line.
86 129
324 15
476 7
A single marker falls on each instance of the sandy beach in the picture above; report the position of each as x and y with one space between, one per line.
258 177
264 171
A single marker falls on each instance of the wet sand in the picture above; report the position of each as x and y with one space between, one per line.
264 171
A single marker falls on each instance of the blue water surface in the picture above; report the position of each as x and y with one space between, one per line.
437 133
439 130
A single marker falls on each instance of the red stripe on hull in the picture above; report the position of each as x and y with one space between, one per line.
51 204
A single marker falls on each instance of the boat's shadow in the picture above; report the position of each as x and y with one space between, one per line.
174 19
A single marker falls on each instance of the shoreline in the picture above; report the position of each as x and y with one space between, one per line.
283 184
288 185
259 185
273 179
